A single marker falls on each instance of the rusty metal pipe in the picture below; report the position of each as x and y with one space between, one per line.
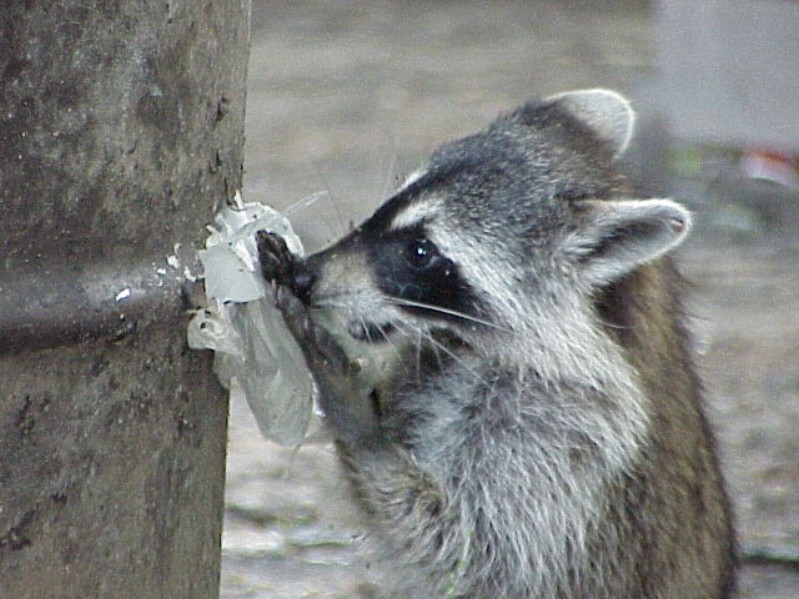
50 309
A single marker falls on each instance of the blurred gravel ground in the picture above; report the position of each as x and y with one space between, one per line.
344 97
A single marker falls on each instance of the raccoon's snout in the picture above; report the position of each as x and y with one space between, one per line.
302 282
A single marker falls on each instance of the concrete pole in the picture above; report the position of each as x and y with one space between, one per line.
121 129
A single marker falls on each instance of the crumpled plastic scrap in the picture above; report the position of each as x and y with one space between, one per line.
255 354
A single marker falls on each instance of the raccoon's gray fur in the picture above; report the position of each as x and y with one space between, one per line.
536 428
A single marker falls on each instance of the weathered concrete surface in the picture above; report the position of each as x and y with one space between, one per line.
121 126
343 99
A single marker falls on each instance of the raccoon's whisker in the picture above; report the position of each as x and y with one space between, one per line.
423 337
418 346
458 360
438 346
334 301
610 325
342 222
329 304
367 330
390 341
398 301
390 168
382 330
419 337
305 202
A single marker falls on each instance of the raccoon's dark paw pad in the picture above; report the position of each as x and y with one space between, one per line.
277 262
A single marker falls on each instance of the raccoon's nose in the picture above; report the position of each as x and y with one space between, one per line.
302 282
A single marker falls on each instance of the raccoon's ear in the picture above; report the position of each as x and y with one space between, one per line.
607 113
612 237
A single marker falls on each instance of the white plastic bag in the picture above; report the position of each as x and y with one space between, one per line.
255 353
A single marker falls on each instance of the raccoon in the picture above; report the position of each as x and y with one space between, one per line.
531 425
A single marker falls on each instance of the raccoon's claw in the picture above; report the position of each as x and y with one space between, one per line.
277 262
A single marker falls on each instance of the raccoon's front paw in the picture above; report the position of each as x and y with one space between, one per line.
345 398
348 403
277 262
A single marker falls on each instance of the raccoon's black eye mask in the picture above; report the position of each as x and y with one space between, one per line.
408 266
424 254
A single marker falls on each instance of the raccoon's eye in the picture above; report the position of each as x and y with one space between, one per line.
421 253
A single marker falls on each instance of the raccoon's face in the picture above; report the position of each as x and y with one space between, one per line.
498 230
396 273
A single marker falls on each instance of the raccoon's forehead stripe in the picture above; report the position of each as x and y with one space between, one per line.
412 178
414 191
416 213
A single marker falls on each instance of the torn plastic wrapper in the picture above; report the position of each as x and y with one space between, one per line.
255 354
